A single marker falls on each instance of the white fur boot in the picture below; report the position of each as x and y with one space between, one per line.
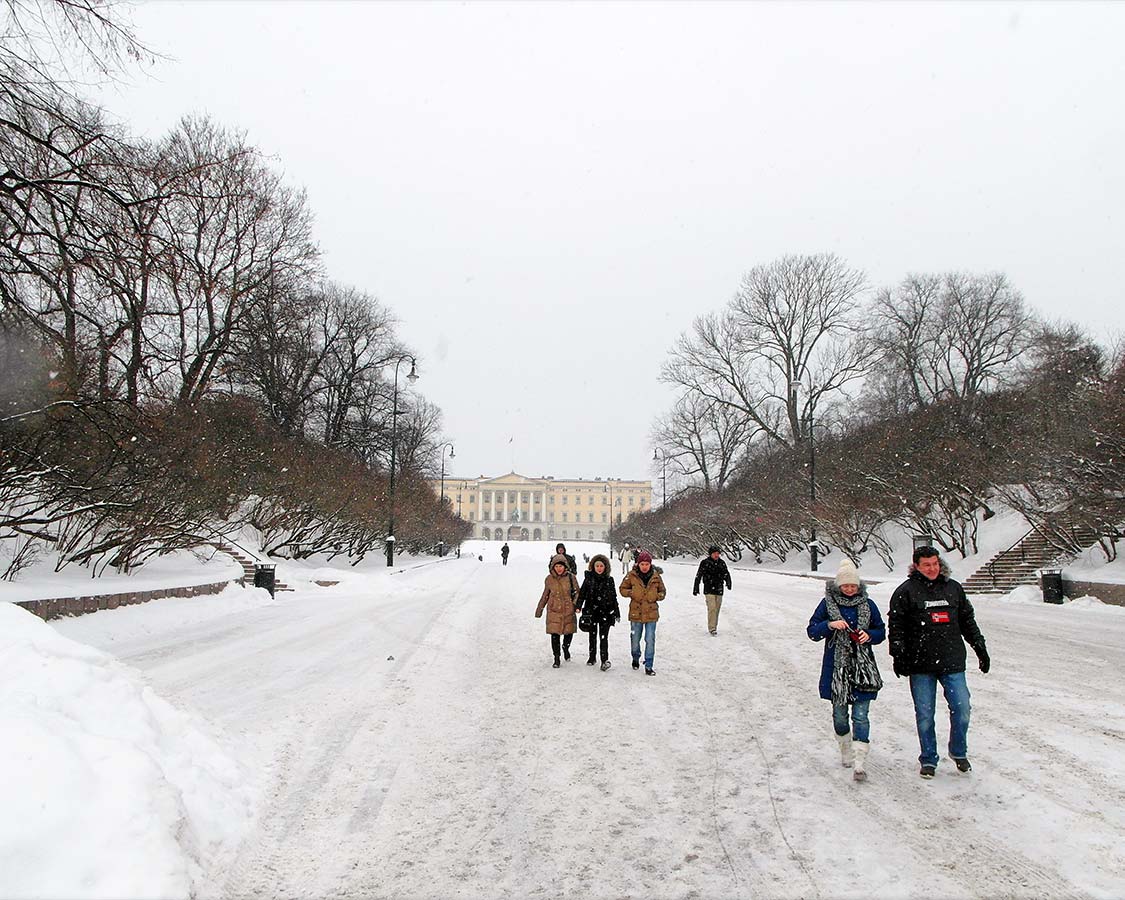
847 754
861 748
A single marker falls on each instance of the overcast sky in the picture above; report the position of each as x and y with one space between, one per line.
547 194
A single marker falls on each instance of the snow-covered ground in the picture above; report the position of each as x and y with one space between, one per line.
402 734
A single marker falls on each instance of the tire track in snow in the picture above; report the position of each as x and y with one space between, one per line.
315 799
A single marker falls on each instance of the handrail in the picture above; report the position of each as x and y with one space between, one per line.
254 557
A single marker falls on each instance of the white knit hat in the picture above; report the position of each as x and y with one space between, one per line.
847 573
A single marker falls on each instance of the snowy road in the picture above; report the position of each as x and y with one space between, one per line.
414 742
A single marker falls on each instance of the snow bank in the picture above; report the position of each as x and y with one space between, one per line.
182 568
1031 595
108 790
128 624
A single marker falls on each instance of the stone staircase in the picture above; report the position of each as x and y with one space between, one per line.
247 566
1020 563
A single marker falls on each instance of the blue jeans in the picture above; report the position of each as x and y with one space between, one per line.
861 726
923 688
649 629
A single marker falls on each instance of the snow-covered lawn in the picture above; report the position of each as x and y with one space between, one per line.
403 735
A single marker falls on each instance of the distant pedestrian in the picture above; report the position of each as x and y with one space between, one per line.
504 551
644 587
850 624
597 598
930 620
569 557
714 574
560 591
626 557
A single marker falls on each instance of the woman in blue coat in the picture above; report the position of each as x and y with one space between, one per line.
849 623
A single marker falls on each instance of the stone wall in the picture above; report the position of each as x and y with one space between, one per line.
77 606
1107 593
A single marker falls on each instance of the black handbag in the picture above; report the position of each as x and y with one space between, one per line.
585 621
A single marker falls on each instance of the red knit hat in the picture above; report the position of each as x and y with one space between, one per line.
644 556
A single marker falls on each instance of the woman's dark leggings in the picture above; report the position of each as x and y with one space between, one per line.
603 629
566 639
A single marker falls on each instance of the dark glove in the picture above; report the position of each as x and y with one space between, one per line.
695 593
899 668
983 660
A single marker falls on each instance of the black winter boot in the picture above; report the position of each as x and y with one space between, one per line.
555 664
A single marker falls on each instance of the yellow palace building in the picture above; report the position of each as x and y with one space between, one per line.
514 507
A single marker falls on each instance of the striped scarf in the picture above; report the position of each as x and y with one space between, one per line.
853 665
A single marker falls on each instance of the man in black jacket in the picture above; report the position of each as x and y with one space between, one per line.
714 574
560 549
930 621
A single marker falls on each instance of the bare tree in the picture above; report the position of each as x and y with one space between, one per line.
232 228
949 336
788 342
359 339
706 439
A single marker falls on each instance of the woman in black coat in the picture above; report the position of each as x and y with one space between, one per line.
597 599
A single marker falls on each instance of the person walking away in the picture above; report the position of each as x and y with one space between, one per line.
560 549
644 587
930 621
597 598
849 623
504 551
714 574
560 589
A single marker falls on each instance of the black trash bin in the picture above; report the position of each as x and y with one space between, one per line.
1052 584
264 576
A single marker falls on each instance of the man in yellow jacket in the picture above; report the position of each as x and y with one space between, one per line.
645 589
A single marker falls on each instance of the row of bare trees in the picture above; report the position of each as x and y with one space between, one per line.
920 405
146 285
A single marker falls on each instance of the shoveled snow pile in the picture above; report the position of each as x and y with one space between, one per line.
108 791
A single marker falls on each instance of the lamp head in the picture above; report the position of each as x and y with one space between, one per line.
413 376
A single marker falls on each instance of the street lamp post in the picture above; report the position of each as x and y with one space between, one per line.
460 491
608 489
663 472
413 376
813 561
452 455
664 487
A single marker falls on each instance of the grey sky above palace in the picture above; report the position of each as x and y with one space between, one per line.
536 183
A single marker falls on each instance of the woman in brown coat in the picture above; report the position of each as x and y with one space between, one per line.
645 588
560 589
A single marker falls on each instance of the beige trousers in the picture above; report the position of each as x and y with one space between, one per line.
714 604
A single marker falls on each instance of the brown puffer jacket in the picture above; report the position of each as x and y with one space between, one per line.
643 598
559 593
